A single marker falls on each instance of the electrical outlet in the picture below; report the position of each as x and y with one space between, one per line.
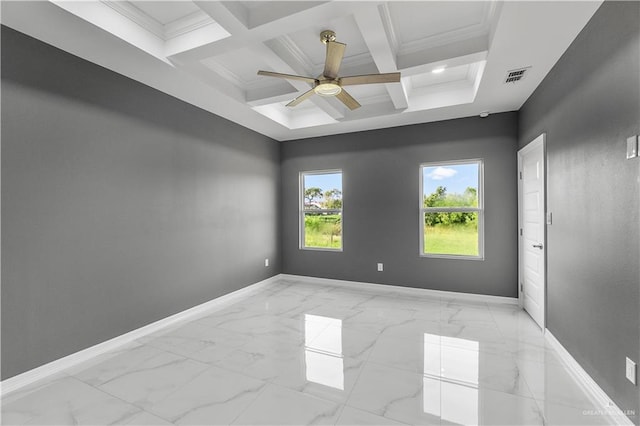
380 267
631 371
266 262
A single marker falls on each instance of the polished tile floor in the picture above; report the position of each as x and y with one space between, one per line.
295 353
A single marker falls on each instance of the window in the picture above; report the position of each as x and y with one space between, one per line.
321 210
451 211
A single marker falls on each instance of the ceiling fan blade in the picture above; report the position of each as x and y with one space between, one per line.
335 52
348 100
299 99
392 77
287 76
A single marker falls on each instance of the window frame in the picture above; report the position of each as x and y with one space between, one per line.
479 209
301 210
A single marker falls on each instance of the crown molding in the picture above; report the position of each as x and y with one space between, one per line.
225 73
287 46
186 24
134 14
385 14
180 26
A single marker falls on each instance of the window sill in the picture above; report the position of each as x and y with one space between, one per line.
451 257
321 249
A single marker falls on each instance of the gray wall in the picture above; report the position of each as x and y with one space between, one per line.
588 105
120 205
381 204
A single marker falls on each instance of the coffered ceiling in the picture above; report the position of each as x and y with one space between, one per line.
453 56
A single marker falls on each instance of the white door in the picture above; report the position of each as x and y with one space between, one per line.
531 213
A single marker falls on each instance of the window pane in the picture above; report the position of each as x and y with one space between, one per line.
451 233
322 191
322 230
454 185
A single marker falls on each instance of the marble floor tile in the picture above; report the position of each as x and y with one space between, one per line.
379 320
194 337
405 354
321 374
392 393
563 415
147 384
144 418
262 366
356 344
281 406
235 312
66 401
302 353
122 362
458 314
352 416
499 408
216 396
551 382
266 325
413 329
432 356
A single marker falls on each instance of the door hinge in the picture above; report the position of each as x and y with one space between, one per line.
521 287
521 232
520 175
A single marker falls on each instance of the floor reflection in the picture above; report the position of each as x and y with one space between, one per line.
323 351
450 382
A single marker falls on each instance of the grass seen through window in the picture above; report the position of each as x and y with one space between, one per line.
323 230
450 209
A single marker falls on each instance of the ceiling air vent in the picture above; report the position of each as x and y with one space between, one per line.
514 76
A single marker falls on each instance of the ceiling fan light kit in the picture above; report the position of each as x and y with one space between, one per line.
330 88
329 84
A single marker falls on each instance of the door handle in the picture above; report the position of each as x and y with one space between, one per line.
539 245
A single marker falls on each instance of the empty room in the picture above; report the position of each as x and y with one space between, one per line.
320 212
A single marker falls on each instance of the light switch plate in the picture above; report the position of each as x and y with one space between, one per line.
380 267
631 371
632 147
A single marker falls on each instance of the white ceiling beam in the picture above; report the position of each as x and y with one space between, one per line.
223 16
268 96
373 31
109 17
242 36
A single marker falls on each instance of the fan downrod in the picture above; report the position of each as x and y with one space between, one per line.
327 35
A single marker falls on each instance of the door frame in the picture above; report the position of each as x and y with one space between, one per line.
535 143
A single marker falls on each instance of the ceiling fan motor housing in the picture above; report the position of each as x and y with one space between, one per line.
327 35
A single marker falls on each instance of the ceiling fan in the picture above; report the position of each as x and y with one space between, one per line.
329 84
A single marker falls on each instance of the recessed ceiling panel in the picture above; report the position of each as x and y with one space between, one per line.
423 20
369 93
449 75
314 51
166 11
255 13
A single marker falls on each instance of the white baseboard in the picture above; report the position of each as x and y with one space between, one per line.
409 291
13 383
596 394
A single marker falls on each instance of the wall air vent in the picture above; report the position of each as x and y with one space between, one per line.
514 76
